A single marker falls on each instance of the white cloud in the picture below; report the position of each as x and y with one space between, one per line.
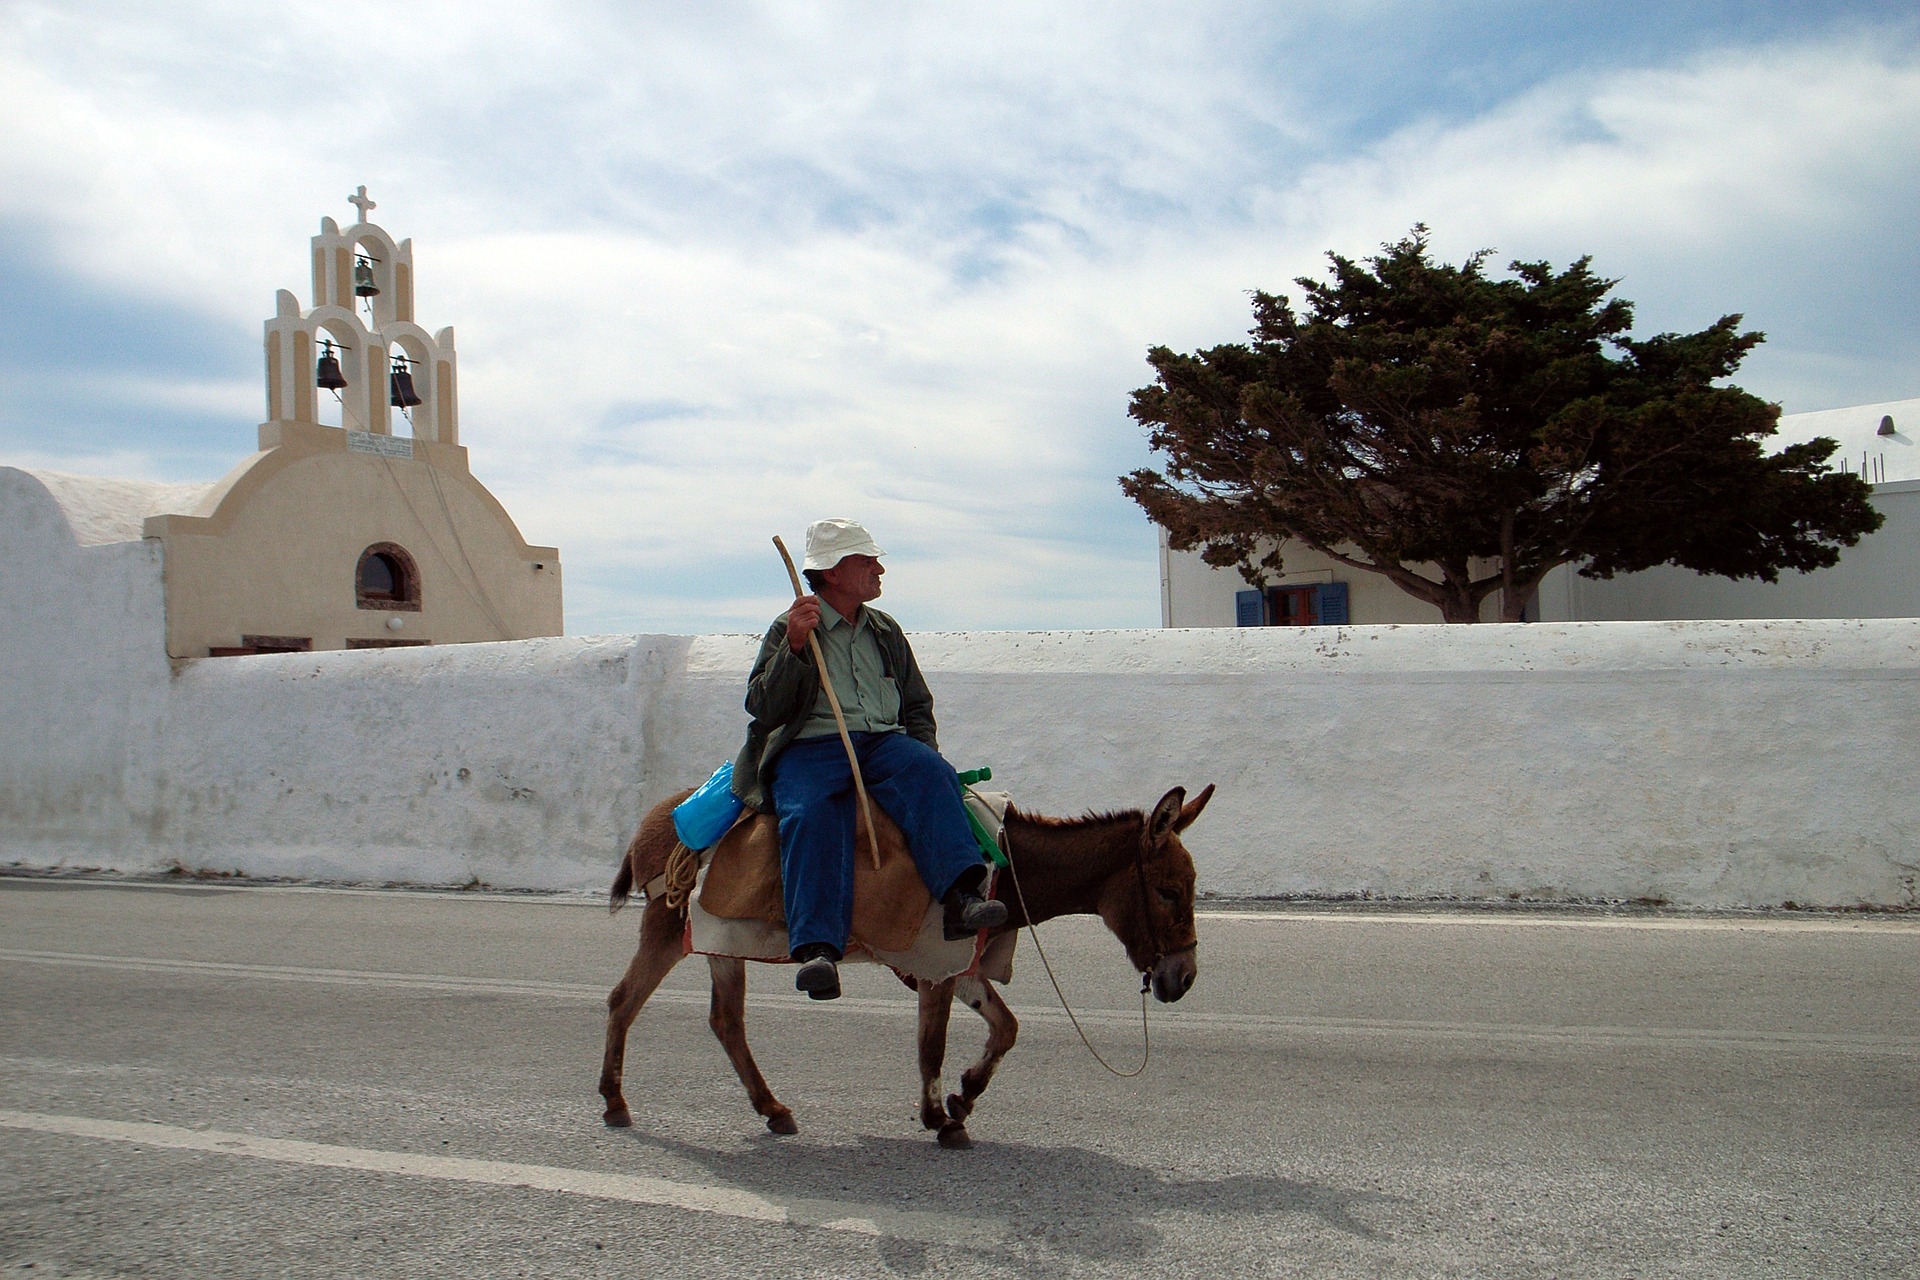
718 270
1706 187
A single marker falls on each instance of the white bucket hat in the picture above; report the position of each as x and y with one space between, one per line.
831 541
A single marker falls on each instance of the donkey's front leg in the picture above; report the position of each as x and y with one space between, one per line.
728 1018
936 1008
1002 1029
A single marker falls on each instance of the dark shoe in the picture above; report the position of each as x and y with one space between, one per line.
819 975
968 913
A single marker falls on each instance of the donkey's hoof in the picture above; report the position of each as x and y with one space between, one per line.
953 1136
782 1122
618 1117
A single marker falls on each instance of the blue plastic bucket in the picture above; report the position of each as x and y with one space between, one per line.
706 815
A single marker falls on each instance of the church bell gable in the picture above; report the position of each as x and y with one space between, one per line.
363 317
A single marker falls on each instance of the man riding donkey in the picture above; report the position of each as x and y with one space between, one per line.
795 764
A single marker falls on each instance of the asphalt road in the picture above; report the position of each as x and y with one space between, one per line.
211 1081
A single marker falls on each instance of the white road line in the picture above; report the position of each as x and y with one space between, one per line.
1166 1022
298 973
864 1220
421 981
1501 918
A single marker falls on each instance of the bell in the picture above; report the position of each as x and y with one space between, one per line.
363 285
400 382
326 374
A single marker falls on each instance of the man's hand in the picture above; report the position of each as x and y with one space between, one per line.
801 620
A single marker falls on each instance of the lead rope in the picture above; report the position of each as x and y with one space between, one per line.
1146 1044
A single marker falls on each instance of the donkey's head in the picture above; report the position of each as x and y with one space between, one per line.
1149 904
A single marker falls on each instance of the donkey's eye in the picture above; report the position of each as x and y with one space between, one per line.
1168 896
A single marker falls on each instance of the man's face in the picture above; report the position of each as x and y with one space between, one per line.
856 578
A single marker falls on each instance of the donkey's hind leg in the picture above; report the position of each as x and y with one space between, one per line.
729 1022
661 930
1002 1029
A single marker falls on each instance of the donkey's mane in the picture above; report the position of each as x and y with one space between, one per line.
1132 817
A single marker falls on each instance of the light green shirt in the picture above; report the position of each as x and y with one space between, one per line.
868 696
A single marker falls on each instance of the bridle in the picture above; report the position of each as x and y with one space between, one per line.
1153 929
1146 906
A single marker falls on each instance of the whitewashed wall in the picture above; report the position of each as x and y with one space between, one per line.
1699 763
83 677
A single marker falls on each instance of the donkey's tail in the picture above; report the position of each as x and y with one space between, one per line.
622 884
651 854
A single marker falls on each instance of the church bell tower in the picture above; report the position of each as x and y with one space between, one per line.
360 341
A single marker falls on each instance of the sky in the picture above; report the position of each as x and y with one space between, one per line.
718 270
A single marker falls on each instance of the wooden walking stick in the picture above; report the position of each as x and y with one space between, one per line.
839 717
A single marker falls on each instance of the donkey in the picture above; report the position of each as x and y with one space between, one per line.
1128 868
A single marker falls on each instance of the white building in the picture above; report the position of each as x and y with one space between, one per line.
1877 578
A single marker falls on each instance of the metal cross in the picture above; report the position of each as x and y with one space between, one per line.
359 200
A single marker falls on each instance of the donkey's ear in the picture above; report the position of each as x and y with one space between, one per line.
1166 816
1191 811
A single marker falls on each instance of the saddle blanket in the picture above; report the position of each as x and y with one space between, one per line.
736 907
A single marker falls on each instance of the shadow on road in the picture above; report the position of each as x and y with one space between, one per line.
1001 1200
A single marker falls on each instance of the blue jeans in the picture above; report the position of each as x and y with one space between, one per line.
814 797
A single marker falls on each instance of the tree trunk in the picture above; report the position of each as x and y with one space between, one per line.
1459 604
1522 590
1509 592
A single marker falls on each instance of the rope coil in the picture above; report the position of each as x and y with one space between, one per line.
683 869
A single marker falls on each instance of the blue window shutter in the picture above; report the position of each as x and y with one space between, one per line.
1332 604
1250 608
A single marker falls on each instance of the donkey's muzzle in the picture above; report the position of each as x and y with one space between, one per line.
1173 976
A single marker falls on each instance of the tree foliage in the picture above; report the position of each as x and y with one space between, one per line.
1462 434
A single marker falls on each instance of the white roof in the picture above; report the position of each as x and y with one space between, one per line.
100 510
1863 450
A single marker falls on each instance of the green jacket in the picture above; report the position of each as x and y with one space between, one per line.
781 693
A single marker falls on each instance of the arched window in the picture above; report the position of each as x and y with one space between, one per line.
387 578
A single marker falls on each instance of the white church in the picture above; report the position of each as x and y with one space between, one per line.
367 532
